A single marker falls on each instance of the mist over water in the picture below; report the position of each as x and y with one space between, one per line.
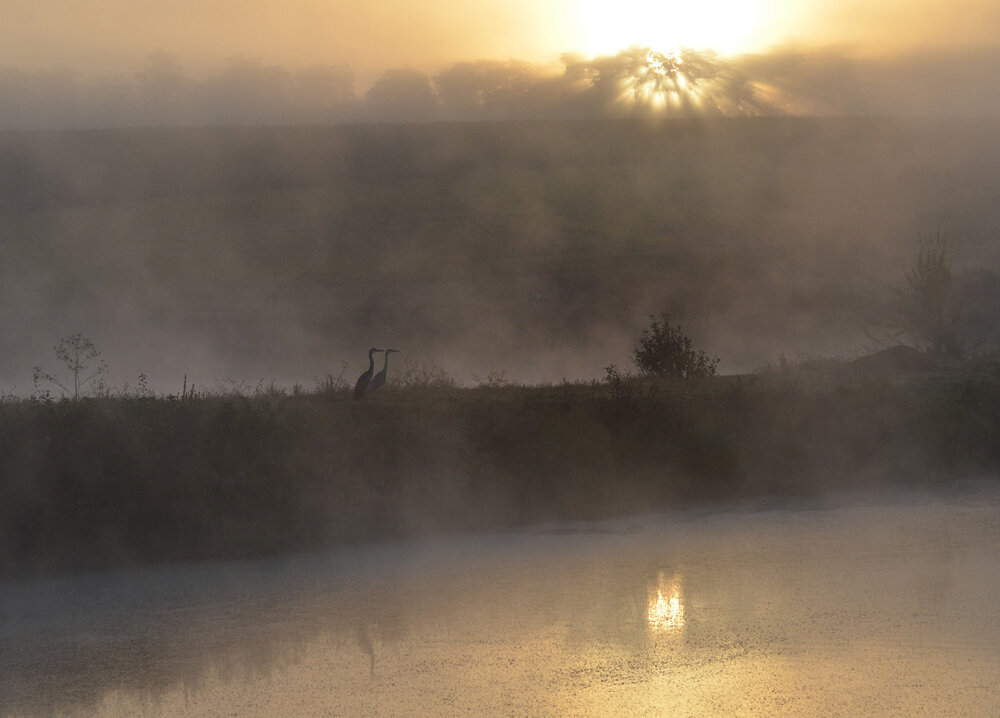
881 606
535 248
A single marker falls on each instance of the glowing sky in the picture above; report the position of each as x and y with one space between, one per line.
373 35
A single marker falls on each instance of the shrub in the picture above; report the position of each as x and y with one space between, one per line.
664 350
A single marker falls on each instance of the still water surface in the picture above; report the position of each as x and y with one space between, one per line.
869 608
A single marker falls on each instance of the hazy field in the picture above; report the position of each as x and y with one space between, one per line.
532 247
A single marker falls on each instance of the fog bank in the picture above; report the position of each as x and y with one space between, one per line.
639 81
535 248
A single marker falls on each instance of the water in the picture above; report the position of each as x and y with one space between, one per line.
870 608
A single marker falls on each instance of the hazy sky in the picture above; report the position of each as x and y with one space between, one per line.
103 36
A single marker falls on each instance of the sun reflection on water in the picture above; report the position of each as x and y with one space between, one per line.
665 610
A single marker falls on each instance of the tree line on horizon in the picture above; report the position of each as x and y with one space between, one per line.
249 91
634 81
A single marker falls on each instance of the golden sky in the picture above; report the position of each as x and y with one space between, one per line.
374 35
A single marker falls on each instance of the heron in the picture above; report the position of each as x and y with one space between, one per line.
362 386
378 381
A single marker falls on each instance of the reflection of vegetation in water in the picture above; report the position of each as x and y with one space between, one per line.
365 643
147 635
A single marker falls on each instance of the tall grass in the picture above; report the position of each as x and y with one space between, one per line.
255 470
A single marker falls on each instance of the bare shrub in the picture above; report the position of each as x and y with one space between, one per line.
335 384
84 364
416 375
923 302
494 380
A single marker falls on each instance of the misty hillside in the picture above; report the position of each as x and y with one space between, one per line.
533 247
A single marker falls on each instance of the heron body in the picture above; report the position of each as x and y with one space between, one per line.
362 385
378 380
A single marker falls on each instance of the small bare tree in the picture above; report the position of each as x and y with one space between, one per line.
83 362
923 302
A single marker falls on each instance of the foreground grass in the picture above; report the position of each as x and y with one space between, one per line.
113 481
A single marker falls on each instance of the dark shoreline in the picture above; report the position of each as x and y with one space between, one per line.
110 482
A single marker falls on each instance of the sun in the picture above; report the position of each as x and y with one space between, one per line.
727 27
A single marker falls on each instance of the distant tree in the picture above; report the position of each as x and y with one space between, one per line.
923 304
402 94
664 350
164 92
83 362
487 88
248 92
323 92
640 80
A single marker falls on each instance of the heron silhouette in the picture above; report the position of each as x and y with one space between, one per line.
362 386
378 381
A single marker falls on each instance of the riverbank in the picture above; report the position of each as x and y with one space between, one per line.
107 482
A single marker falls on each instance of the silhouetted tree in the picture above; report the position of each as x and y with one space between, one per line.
487 87
640 80
323 92
664 350
923 303
402 94
163 91
248 92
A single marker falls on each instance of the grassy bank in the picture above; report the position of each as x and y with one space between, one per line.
114 481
